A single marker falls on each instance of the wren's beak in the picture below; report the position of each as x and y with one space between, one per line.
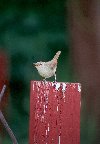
36 64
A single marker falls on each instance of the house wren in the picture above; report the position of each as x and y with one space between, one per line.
48 69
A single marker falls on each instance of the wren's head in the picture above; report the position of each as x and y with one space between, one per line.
38 64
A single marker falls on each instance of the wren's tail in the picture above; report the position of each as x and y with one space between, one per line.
57 55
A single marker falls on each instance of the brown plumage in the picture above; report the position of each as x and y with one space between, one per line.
48 69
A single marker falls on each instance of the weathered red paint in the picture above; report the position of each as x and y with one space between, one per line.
3 81
54 113
3 69
4 78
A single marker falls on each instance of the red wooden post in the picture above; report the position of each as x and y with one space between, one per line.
54 113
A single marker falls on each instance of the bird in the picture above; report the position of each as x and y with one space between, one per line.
48 69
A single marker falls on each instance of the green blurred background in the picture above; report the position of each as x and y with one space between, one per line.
31 31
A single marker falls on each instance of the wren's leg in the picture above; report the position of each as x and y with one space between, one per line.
55 77
44 80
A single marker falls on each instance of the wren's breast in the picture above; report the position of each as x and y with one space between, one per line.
45 71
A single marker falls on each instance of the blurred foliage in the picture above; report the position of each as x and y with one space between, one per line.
30 31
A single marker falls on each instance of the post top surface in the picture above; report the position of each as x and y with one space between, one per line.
57 85
55 82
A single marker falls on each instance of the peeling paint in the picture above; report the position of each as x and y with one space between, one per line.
48 127
79 88
42 118
59 140
57 86
33 87
63 90
57 107
39 84
46 132
63 86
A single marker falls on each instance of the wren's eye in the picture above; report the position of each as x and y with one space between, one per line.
40 63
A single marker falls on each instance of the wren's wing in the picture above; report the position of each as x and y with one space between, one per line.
52 64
